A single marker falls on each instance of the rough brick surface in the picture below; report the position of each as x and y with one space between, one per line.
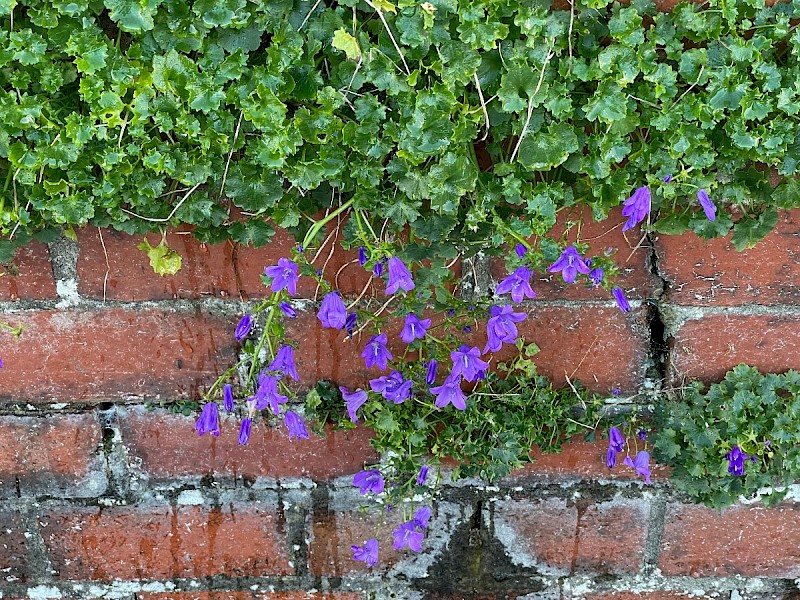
29 276
168 446
751 541
55 455
165 542
708 347
14 562
665 595
250 596
713 273
560 537
85 355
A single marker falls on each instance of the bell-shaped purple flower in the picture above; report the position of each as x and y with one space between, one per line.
518 283
376 352
244 431
596 276
707 204
399 277
430 374
353 401
622 301
450 393
570 263
284 361
611 458
406 535
377 270
393 387
667 178
362 256
421 517
641 463
615 439
295 424
636 208
736 460
350 323
422 477
467 363
243 328
267 394
521 250
332 311
284 275
501 327
288 310
369 481
208 422
368 553
414 328
227 397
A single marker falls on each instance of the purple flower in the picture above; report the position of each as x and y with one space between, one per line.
406 535
611 458
450 393
1 363
501 327
399 277
227 395
353 400
376 352
667 178
421 517
616 391
736 460
636 208
350 323
284 275
642 434
244 431
295 424
377 270
521 250
392 387
570 264
208 422
467 362
284 361
615 439
622 301
267 394
243 328
641 464
518 283
332 312
707 204
430 376
596 276
369 553
288 310
423 475
414 328
369 481
466 329
362 256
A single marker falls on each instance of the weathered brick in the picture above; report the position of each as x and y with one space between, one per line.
165 542
561 537
706 348
30 275
296 595
751 541
712 273
661 595
14 559
54 455
85 355
168 446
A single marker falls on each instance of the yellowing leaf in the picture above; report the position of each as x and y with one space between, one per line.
163 259
385 6
346 43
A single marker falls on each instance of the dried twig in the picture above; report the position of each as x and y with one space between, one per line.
172 214
391 35
530 104
483 105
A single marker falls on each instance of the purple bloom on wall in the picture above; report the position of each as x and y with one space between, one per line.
521 250
353 401
406 535
284 361
267 394
518 283
611 458
288 310
243 328
244 431
369 481
450 393
376 352
467 362
422 477
295 424
501 328
208 422
641 463
736 460
377 270
284 275
636 208
414 328
332 311
1 363
622 301
350 323
667 178
430 375
421 517
392 387
596 276
707 204
227 396
642 434
399 277
362 256
368 554
570 263
616 439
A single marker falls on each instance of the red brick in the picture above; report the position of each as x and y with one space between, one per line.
606 537
14 562
709 347
249 596
751 541
30 275
647 596
165 542
52 455
89 355
168 446
712 273
634 277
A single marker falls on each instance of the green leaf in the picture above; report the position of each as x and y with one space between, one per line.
346 43
163 259
548 148
133 15
748 231
255 231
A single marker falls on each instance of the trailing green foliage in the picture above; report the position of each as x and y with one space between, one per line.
758 413
141 114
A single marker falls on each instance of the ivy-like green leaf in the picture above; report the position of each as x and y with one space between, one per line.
748 231
548 148
163 259
344 41
133 15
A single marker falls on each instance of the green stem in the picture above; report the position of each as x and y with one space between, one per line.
511 232
318 225
257 352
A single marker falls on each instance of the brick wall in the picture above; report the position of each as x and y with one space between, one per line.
105 495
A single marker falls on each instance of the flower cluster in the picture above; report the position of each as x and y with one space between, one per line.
616 444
